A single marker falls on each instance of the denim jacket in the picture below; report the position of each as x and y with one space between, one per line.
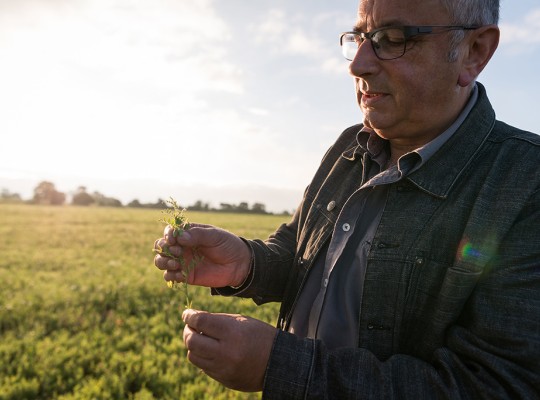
451 303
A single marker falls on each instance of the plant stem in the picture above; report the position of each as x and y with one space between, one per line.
174 216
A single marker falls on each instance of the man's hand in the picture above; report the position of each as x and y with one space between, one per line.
226 258
231 349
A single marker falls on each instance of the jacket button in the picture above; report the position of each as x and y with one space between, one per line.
331 206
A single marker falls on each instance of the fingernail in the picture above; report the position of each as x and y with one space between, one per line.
185 314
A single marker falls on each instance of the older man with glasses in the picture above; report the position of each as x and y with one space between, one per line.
412 266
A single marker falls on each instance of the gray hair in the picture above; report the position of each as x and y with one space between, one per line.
469 12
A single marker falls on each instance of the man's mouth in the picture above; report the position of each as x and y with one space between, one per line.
369 98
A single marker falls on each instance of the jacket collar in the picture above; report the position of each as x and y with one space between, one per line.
443 169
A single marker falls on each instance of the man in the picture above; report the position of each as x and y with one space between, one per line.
412 267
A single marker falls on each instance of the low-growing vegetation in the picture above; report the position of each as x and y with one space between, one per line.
84 314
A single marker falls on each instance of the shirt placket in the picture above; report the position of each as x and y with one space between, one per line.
343 230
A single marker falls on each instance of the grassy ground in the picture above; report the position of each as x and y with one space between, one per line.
84 314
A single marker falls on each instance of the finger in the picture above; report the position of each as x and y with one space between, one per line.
161 246
213 325
158 244
195 320
196 225
169 235
160 261
173 236
198 235
200 345
166 263
167 231
191 318
204 364
170 250
173 275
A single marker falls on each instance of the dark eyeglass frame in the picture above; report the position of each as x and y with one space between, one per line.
408 33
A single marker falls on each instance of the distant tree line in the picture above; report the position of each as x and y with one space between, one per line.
45 193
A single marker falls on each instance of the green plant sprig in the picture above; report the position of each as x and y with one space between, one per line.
174 216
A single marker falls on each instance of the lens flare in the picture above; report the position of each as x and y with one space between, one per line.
476 253
468 251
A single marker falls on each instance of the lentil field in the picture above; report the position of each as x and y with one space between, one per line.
84 314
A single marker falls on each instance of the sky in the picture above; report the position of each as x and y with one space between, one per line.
211 100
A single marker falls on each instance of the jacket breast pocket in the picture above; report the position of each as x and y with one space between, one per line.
317 230
436 297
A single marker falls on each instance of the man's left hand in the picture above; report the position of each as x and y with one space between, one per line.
230 348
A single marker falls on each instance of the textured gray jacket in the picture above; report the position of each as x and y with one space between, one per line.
451 303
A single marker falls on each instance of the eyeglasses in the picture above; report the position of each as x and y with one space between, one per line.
391 42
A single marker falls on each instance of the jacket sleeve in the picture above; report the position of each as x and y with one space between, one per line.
271 264
274 258
492 351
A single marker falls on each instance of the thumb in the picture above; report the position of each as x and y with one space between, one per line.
196 319
203 236
187 315
183 237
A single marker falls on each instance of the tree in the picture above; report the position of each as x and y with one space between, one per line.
104 201
8 197
199 206
135 203
46 193
258 208
226 207
82 198
243 207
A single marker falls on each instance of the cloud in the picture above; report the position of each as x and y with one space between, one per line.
292 35
272 28
99 87
117 89
261 112
523 36
336 66
164 44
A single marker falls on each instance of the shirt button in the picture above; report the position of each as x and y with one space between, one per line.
325 283
346 227
331 206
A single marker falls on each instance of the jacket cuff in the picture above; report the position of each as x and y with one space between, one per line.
237 291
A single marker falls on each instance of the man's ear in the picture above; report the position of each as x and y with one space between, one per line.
480 45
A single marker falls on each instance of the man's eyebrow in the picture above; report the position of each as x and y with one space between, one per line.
358 26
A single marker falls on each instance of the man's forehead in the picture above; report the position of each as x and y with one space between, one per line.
377 13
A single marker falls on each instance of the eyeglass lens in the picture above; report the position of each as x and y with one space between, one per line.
387 43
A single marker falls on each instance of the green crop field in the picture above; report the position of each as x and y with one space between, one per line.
84 314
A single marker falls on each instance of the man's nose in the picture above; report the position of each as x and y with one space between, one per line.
365 61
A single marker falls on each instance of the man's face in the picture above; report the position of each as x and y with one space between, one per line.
412 99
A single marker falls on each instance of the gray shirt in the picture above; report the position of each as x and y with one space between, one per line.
329 305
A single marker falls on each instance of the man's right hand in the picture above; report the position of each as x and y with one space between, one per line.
226 258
